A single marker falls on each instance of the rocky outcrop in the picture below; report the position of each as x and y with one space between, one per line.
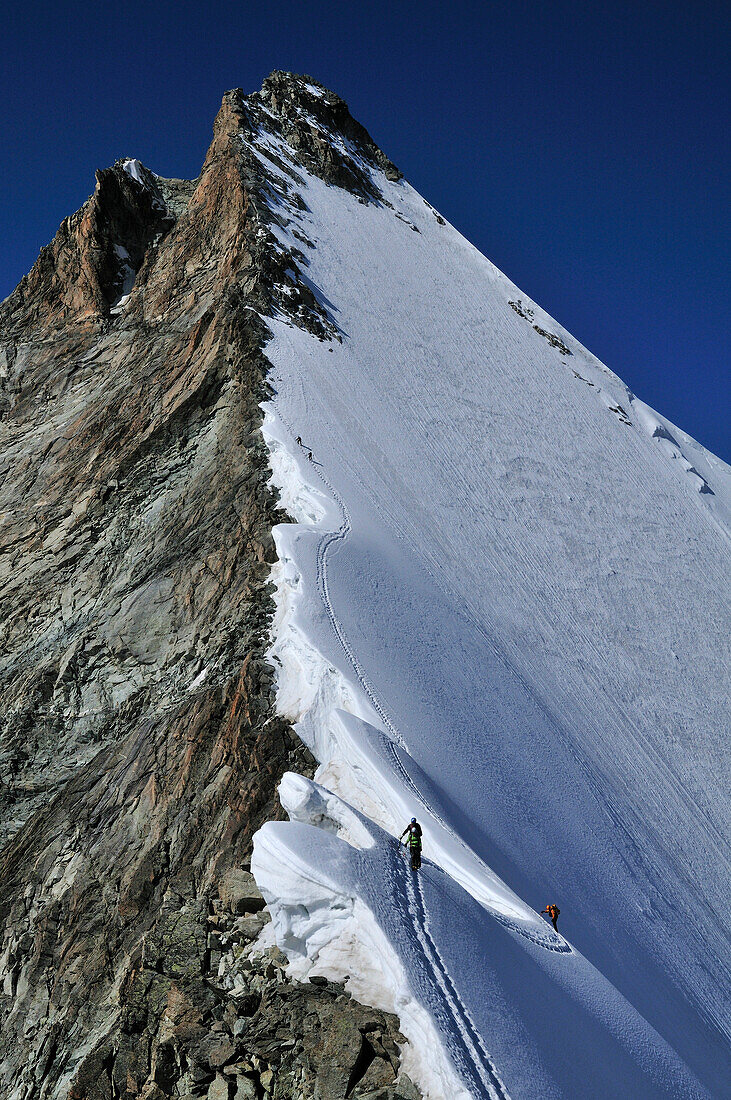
79 276
206 1011
139 746
527 314
307 115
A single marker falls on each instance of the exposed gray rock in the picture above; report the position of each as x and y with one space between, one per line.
239 892
249 927
307 114
268 1036
554 341
522 310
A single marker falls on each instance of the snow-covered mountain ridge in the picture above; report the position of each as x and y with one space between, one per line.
500 603
504 608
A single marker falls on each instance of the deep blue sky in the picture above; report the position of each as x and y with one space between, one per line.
584 148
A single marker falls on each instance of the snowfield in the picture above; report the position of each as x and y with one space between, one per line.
503 608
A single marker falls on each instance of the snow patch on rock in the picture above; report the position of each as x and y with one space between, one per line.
134 170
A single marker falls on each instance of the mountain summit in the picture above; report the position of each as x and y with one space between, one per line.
307 509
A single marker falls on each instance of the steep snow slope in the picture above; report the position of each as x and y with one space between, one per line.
504 607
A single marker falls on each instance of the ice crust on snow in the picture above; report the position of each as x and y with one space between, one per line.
503 608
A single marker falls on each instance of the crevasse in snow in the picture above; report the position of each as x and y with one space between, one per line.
503 607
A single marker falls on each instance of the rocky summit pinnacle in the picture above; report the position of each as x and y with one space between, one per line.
139 747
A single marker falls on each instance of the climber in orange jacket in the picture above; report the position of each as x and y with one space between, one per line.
552 911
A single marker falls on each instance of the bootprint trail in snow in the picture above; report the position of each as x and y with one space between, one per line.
472 1057
471 1042
482 1061
326 543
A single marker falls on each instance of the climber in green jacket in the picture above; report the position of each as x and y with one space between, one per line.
413 842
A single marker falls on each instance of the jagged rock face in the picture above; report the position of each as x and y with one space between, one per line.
139 748
136 523
79 275
207 1013
307 115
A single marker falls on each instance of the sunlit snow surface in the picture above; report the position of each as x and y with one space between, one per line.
503 608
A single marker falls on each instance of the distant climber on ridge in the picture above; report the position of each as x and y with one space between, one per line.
413 842
552 911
